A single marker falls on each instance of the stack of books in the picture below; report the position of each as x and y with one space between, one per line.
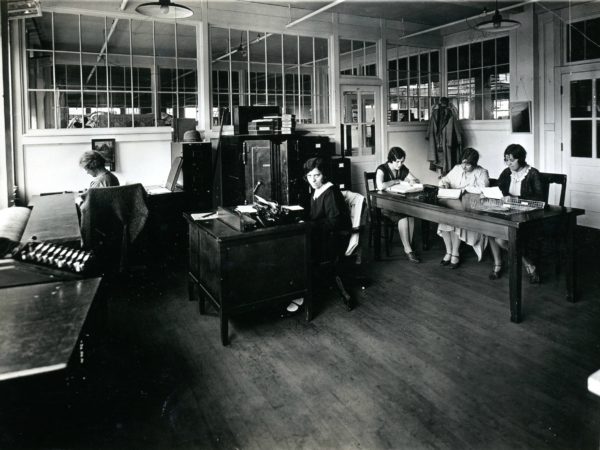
288 123
267 125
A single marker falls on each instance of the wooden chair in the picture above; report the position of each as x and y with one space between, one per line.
493 182
554 178
375 217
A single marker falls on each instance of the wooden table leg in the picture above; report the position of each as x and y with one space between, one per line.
224 327
514 270
570 258
377 226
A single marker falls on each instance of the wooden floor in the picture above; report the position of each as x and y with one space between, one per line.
428 359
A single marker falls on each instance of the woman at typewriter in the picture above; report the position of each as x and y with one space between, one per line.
519 179
391 173
471 177
329 216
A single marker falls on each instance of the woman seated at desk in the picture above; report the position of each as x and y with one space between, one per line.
329 216
471 177
519 179
389 174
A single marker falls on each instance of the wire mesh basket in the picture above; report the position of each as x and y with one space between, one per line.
511 205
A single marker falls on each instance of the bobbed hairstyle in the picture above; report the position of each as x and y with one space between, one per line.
396 153
517 152
91 160
470 156
319 164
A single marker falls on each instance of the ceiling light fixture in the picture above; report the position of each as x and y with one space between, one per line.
498 23
164 9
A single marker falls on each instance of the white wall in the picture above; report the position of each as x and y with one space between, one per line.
52 162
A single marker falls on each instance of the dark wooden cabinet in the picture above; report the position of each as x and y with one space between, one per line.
240 271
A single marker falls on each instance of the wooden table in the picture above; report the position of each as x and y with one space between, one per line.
40 325
514 228
53 219
240 271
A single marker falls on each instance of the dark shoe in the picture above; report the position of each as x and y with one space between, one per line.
454 265
413 258
345 296
496 272
445 262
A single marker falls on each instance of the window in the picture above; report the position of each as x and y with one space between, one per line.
256 68
413 83
478 80
358 58
86 71
583 40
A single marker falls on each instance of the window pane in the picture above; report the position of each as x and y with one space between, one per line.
592 45
321 50
257 47
95 108
581 138
41 110
489 52
435 61
93 33
502 51
143 110
67 71
38 32
167 75
66 32
475 55
119 72
69 108
186 41
164 39
576 41
40 70
141 40
452 59
463 57
94 71
581 98
142 76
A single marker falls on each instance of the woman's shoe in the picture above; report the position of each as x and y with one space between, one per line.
496 272
444 261
413 258
454 262
534 277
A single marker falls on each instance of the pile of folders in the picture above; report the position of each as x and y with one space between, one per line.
56 256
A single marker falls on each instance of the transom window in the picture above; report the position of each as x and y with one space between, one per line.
478 81
358 58
583 40
85 71
413 83
257 68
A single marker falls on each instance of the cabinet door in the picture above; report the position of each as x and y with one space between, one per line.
258 162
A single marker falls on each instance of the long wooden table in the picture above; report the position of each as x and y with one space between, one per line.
53 219
514 228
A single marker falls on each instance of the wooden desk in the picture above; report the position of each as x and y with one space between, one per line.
239 271
53 219
514 228
40 325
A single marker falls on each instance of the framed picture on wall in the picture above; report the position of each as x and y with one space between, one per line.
106 147
520 117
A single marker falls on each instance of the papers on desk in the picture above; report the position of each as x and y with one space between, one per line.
405 187
205 216
293 207
158 190
449 193
246 209
492 192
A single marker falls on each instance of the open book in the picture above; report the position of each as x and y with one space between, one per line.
405 187
449 193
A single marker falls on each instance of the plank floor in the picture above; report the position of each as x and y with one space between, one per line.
427 360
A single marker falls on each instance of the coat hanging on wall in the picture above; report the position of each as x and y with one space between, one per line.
445 137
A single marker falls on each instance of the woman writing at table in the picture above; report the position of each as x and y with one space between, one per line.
391 173
471 177
519 179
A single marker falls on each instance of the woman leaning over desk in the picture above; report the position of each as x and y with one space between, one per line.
467 175
387 175
519 179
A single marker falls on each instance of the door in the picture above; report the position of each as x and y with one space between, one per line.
581 144
360 129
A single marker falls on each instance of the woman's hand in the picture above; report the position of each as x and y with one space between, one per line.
443 185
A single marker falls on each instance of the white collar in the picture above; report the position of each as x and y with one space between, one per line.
322 189
520 174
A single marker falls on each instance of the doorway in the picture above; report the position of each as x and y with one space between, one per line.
360 129
581 143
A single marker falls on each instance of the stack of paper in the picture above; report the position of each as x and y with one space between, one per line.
492 192
449 193
404 187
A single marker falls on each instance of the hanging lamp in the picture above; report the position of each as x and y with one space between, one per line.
498 23
164 9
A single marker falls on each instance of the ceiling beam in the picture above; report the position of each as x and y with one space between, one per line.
314 13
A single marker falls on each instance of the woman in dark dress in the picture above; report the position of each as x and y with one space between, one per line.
519 179
387 175
329 217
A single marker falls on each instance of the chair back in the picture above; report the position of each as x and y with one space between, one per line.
355 203
493 182
554 178
112 218
370 185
